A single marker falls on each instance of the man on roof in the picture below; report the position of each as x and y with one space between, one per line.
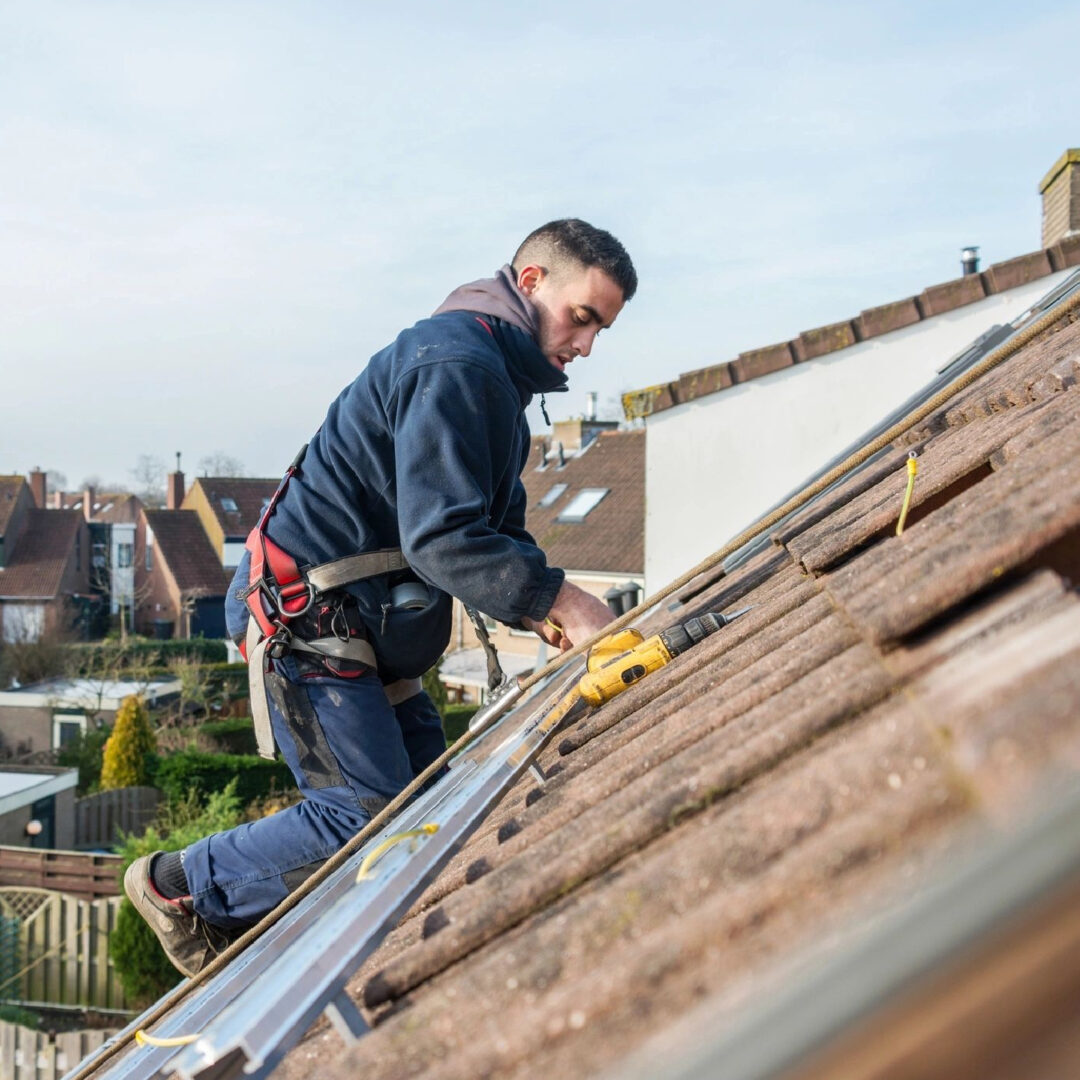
408 495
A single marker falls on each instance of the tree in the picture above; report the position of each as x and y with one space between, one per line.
55 480
149 476
130 748
220 464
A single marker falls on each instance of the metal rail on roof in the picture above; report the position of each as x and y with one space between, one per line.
250 1014
967 358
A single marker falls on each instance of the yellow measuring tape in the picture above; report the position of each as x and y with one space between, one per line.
912 469
150 1040
409 834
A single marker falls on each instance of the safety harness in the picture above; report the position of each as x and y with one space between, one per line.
279 592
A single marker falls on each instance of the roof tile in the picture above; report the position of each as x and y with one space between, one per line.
1019 271
881 320
824 339
756 362
949 295
36 567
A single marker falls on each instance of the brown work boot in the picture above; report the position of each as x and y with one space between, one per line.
189 941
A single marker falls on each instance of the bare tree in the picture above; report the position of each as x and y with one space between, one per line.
149 476
220 464
55 480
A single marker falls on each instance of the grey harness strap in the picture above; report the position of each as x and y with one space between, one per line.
332 575
356 649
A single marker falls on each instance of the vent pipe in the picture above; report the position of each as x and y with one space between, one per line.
969 259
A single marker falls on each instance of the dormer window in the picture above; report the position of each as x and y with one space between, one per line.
228 504
582 504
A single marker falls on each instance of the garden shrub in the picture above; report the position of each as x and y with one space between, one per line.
129 751
197 770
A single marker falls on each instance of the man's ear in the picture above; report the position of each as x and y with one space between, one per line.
529 277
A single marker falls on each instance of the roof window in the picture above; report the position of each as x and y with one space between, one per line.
552 494
228 504
582 503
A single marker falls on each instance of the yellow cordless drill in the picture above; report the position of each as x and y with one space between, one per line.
624 658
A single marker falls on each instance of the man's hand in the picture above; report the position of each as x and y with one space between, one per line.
576 615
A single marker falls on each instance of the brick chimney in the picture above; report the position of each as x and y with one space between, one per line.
174 490
88 503
37 488
1060 190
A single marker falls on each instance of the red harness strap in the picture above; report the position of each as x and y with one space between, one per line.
277 591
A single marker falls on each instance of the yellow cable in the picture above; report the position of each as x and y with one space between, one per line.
369 860
554 625
151 1040
912 469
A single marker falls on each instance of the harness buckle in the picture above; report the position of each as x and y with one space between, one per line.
287 595
280 644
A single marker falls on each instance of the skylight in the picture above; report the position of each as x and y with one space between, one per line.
552 494
228 504
582 503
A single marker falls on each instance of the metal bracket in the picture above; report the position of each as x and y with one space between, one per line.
537 773
346 1018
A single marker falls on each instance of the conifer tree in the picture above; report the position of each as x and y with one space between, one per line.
130 747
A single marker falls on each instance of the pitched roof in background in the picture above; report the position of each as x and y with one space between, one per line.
248 494
35 569
9 494
110 507
183 544
611 538
873 322
774 787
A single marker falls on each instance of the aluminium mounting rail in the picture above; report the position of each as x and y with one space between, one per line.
250 1014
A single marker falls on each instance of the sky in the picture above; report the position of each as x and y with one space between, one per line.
213 213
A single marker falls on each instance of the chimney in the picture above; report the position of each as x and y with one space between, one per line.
969 259
88 503
37 488
1060 190
590 405
174 487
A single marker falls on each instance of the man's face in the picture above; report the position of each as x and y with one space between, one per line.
574 306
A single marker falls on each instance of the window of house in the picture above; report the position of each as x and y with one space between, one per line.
68 725
149 548
582 504
125 555
228 504
552 494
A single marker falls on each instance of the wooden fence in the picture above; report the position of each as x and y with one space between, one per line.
26 1054
54 949
100 818
83 875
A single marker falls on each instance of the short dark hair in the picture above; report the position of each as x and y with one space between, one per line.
571 239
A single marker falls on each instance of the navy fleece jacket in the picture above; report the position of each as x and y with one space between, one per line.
424 451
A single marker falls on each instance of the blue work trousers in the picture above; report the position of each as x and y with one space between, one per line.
350 751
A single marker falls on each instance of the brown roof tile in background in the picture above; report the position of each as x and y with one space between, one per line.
248 493
882 320
1019 271
823 339
612 537
873 322
757 362
949 295
35 569
771 787
9 493
695 384
186 550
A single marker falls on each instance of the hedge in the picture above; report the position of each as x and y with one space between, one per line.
456 720
255 776
233 735
97 656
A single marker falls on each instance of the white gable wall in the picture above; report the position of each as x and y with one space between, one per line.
713 466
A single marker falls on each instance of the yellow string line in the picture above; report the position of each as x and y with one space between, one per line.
369 860
554 625
151 1040
912 469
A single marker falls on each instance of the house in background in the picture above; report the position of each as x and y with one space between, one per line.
729 441
179 581
586 508
111 517
229 508
37 806
44 566
48 715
